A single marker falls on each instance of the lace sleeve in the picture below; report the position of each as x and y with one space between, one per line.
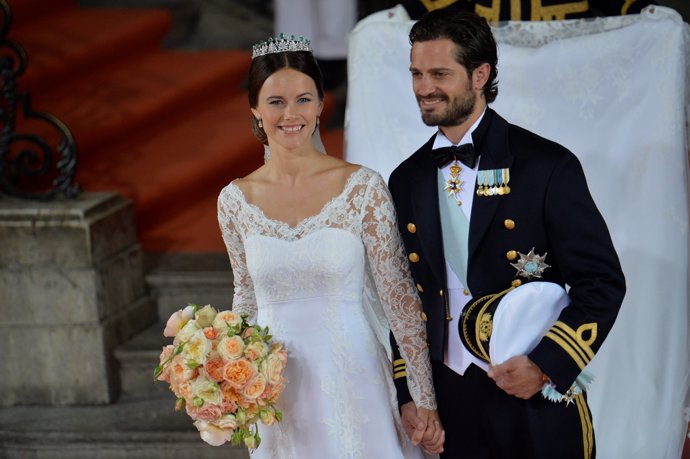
243 300
396 290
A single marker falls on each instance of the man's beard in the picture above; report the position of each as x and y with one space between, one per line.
457 112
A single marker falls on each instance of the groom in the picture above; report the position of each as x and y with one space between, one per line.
504 208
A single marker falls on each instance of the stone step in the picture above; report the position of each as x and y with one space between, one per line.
144 429
177 279
174 280
137 359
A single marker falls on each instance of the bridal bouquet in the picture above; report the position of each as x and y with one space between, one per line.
225 373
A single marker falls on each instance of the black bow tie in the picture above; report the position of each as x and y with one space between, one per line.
463 153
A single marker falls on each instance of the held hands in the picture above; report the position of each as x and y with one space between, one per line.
518 376
423 427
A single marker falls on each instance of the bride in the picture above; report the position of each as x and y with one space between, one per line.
317 256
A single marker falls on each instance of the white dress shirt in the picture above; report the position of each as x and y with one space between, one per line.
456 356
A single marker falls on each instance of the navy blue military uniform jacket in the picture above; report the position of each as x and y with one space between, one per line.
550 209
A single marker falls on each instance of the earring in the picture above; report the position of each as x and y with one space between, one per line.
318 122
261 125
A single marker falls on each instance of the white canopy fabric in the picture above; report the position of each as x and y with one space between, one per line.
615 92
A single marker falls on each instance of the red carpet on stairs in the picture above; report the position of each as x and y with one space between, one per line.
167 129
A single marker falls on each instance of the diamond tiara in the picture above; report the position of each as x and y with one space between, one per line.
281 44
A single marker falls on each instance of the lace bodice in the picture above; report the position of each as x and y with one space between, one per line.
353 238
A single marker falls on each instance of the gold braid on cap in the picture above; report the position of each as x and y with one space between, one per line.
281 44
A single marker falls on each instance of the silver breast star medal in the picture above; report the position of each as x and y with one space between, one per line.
530 265
454 184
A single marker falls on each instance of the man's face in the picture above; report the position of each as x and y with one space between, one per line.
442 87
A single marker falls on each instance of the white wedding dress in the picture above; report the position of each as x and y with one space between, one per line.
317 285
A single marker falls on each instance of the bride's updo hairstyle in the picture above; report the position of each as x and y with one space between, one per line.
268 60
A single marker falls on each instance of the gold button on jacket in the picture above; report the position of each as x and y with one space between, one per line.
412 228
511 255
414 258
509 224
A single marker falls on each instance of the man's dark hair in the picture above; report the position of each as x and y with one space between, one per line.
472 34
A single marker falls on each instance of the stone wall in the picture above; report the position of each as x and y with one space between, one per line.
72 289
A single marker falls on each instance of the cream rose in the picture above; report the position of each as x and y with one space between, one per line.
205 316
211 434
186 332
227 421
231 347
273 368
197 348
225 319
208 390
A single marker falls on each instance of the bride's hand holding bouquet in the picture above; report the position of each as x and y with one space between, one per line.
226 373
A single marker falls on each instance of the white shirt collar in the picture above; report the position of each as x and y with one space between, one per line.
443 141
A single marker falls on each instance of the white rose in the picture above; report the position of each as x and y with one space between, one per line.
211 434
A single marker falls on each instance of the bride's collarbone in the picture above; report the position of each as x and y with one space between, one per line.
295 202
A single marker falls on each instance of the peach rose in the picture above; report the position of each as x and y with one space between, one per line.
229 406
230 394
255 387
166 353
249 331
255 350
276 390
207 412
238 373
231 347
211 333
178 320
180 372
214 368
211 434
185 391
251 409
225 319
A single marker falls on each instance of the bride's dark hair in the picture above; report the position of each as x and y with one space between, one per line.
264 66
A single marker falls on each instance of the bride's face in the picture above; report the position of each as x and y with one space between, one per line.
288 108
